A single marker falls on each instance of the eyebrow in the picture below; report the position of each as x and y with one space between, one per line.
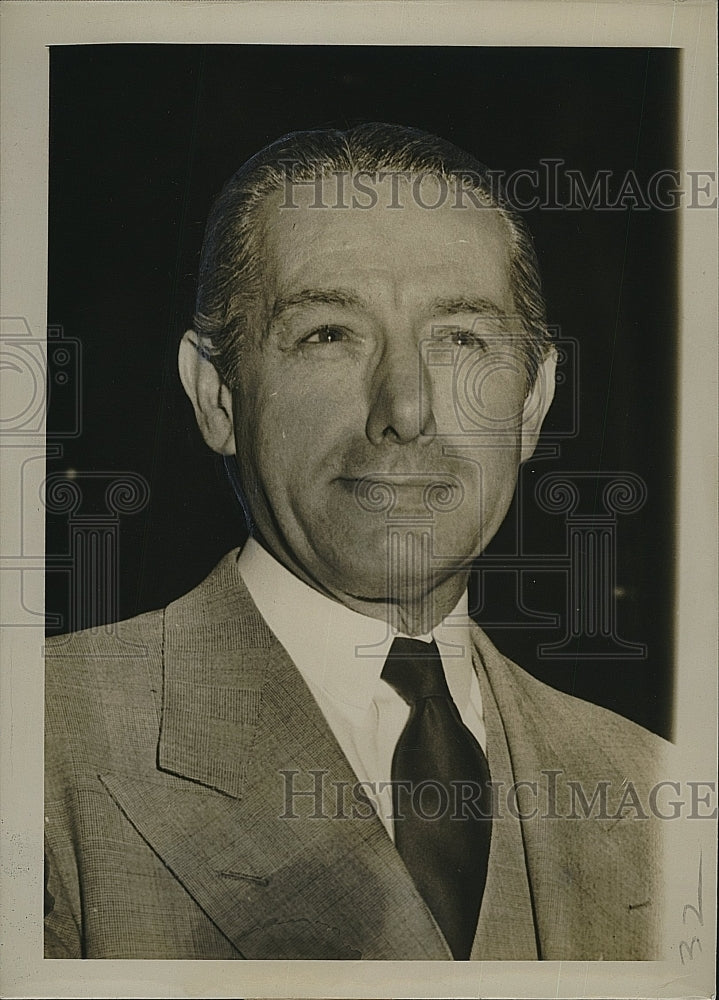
316 296
467 304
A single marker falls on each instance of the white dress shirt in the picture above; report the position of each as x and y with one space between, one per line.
340 654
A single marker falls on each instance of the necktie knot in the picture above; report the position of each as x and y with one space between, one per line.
414 669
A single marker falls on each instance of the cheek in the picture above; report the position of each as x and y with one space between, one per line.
304 415
254 421
284 440
489 475
484 394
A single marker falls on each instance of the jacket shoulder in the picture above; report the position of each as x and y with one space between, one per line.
598 721
106 640
575 729
102 690
126 644
118 655
103 686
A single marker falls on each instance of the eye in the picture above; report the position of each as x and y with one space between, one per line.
326 335
466 338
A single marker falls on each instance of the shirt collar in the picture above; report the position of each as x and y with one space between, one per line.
339 651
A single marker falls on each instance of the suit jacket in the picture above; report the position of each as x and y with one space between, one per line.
175 742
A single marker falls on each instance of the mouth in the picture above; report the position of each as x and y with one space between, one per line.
418 480
429 493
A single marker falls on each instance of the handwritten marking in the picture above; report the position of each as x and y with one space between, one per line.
686 948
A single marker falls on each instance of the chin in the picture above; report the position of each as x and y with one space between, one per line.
370 586
352 581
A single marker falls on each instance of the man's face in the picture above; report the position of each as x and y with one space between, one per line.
378 412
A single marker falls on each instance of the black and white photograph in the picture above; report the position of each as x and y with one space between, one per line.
356 435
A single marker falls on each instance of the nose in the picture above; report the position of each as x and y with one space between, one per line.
401 396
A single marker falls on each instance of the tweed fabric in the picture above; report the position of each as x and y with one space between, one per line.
596 883
172 741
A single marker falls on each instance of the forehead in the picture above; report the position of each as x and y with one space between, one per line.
401 237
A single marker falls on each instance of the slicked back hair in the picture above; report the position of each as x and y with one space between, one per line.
231 264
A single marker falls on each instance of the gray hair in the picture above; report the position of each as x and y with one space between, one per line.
230 274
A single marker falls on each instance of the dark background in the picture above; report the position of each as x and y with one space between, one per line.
142 138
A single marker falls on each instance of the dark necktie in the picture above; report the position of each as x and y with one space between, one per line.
441 794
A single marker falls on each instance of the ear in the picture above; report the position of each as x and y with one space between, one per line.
537 403
210 397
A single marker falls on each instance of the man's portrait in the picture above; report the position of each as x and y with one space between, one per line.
360 615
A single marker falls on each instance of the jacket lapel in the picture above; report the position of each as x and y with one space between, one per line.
591 884
252 806
506 928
